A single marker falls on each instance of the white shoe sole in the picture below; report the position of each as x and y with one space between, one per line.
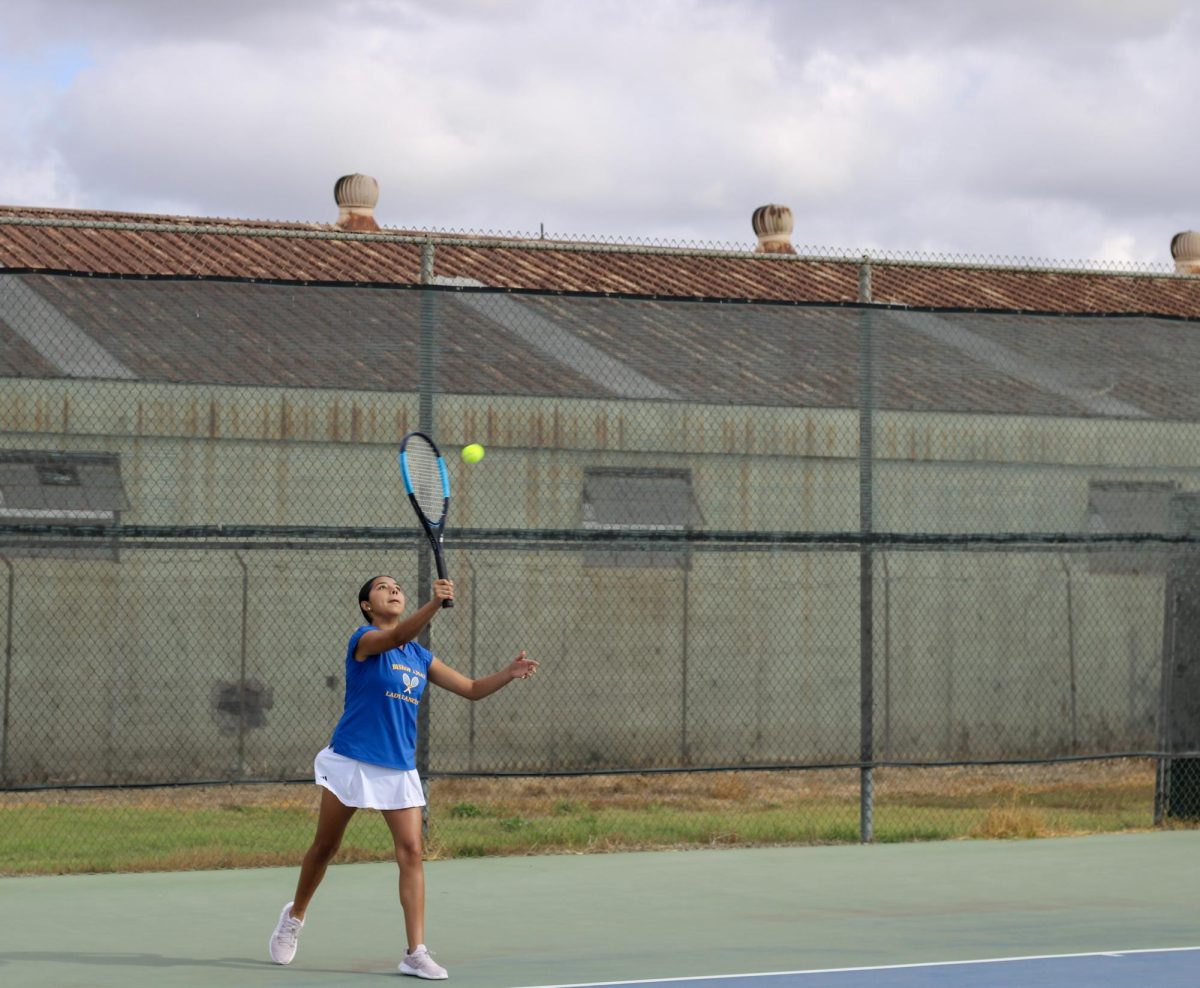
413 972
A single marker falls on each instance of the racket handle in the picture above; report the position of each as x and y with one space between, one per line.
440 565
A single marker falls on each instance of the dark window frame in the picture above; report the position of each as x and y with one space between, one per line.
614 499
63 489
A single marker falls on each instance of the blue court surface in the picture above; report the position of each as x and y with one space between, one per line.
1173 967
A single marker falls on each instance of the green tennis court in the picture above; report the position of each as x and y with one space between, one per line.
578 919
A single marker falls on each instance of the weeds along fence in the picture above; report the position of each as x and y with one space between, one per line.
738 536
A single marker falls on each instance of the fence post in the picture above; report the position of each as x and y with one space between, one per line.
241 742
866 560
8 654
427 359
1177 789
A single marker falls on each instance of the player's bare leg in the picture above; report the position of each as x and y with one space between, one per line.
405 826
331 827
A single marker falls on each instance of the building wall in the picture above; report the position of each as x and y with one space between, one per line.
116 668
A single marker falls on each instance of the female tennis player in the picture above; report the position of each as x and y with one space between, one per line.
371 760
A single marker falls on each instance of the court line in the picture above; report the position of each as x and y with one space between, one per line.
875 967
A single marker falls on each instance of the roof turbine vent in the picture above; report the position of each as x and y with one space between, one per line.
773 224
356 196
1185 248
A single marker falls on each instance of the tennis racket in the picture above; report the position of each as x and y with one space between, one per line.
428 487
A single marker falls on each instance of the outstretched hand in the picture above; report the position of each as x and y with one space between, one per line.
521 667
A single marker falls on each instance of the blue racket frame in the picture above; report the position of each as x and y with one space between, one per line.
434 528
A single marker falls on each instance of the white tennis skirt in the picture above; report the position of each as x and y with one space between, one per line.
367 786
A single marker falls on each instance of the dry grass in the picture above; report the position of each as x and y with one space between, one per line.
698 791
201 827
1010 822
685 791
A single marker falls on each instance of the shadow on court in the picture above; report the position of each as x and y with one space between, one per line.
118 959
578 919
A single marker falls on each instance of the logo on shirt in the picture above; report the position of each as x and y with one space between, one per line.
412 679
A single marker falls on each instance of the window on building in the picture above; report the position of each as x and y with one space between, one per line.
64 490
630 499
1130 506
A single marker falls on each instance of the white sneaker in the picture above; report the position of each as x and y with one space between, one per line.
284 939
422 964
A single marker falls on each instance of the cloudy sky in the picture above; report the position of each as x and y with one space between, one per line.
1049 129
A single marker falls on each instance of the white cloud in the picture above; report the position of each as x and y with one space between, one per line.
1056 128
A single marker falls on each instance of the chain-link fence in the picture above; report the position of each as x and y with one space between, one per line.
883 557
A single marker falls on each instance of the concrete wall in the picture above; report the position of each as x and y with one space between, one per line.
115 668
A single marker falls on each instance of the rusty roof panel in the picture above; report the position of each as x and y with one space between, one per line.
141 245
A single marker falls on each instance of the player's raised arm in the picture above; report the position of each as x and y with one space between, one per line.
522 667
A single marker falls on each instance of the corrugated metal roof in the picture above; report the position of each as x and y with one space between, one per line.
367 338
161 324
142 245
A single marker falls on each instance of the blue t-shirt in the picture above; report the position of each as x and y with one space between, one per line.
383 695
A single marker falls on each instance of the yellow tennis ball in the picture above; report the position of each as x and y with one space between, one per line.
472 453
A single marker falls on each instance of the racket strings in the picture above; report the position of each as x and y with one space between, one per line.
425 475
